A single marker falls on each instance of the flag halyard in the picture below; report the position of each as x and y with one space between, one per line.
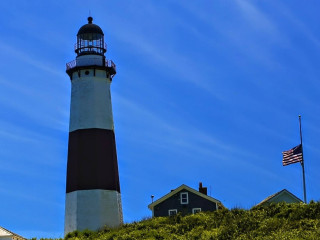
293 155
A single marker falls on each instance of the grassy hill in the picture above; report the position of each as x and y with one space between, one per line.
277 221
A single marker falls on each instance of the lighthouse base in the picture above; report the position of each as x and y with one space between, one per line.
92 209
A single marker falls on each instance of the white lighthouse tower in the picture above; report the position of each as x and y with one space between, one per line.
93 197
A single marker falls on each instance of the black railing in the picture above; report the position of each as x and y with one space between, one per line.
110 63
83 48
71 64
107 63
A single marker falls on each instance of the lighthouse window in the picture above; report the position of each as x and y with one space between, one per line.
86 72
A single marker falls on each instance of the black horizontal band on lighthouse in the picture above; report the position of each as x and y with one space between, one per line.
92 160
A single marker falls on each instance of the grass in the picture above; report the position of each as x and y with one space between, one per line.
277 221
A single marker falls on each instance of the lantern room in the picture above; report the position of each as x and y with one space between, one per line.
90 40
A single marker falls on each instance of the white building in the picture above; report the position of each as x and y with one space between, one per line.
8 235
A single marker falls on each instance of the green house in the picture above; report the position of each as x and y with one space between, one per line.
282 196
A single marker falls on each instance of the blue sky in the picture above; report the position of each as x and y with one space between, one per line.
205 91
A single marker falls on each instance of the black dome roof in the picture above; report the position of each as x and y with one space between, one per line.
90 28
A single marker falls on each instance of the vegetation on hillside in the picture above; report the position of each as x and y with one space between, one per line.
277 221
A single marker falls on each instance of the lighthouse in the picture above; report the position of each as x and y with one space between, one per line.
93 198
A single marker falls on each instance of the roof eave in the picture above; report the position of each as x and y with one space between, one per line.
183 186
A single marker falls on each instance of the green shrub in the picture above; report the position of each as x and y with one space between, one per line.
276 221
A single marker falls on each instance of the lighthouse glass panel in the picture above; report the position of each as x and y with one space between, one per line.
90 43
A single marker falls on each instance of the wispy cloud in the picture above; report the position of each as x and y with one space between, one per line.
28 145
181 66
28 197
31 102
176 135
19 54
169 135
298 23
256 18
163 54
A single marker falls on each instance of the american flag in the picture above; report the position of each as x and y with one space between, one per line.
293 155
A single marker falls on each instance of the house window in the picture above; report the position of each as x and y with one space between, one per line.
172 212
196 210
184 198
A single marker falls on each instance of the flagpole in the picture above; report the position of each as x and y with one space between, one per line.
302 165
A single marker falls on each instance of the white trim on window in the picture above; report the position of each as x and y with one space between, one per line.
184 199
172 212
196 210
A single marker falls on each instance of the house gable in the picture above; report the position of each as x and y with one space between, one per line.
4 233
176 199
8 235
282 196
